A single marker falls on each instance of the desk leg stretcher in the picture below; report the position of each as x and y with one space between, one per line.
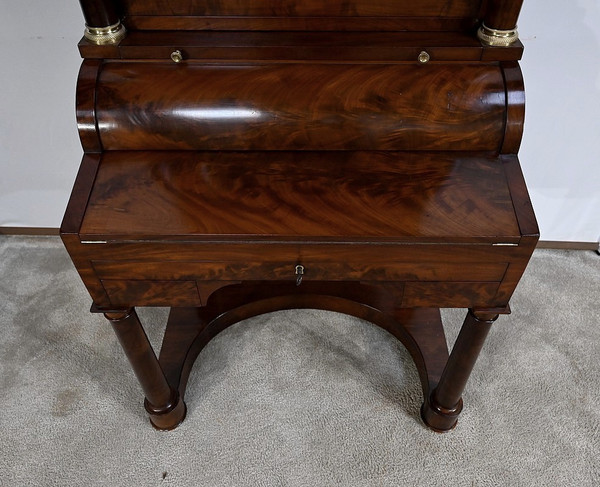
443 376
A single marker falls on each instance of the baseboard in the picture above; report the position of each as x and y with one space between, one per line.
550 244
542 244
41 231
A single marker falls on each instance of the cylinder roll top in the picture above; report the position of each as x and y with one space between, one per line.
160 106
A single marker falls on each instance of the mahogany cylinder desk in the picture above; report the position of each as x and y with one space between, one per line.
242 157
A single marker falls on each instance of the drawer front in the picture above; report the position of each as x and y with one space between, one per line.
128 292
329 271
185 274
449 294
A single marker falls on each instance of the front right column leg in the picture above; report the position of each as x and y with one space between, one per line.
441 409
163 404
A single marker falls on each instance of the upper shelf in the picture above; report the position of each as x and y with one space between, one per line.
302 46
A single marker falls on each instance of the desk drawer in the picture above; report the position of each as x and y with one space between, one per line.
128 292
330 271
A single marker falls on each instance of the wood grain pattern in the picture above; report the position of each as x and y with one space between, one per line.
166 409
449 294
71 223
293 8
527 226
515 107
391 270
378 254
443 405
301 132
321 23
190 329
306 47
155 106
371 45
313 196
151 293
85 103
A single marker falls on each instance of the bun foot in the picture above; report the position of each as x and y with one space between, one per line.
169 418
439 418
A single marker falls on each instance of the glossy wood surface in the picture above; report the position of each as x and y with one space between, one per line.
359 196
100 13
335 47
443 405
205 268
69 229
308 8
515 103
85 104
127 292
190 329
162 402
300 133
300 107
502 14
280 23
374 46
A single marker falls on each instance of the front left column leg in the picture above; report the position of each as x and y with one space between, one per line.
166 409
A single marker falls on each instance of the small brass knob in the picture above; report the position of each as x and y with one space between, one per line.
177 56
424 57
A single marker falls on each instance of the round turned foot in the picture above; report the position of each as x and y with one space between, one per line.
166 419
438 418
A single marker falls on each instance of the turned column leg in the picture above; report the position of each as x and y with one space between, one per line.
441 409
162 403
102 22
499 26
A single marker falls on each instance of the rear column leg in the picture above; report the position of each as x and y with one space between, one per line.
441 409
166 409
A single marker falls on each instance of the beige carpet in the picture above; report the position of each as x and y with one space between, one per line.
296 398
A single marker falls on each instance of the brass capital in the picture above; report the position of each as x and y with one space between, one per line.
112 34
497 37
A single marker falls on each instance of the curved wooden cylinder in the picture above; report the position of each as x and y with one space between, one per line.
160 106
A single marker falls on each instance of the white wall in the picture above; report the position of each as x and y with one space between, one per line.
560 154
40 151
39 145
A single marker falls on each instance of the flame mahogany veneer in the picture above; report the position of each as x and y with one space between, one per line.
299 155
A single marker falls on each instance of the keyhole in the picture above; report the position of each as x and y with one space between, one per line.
299 274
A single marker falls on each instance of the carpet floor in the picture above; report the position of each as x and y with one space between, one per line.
296 398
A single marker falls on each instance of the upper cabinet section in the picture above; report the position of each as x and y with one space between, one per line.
361 15
306 8
450 23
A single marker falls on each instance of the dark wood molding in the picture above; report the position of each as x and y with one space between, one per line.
542 244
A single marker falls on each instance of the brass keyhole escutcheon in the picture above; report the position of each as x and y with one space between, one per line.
177 56
424 57
299 274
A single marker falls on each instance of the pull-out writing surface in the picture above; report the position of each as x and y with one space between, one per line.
311 196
